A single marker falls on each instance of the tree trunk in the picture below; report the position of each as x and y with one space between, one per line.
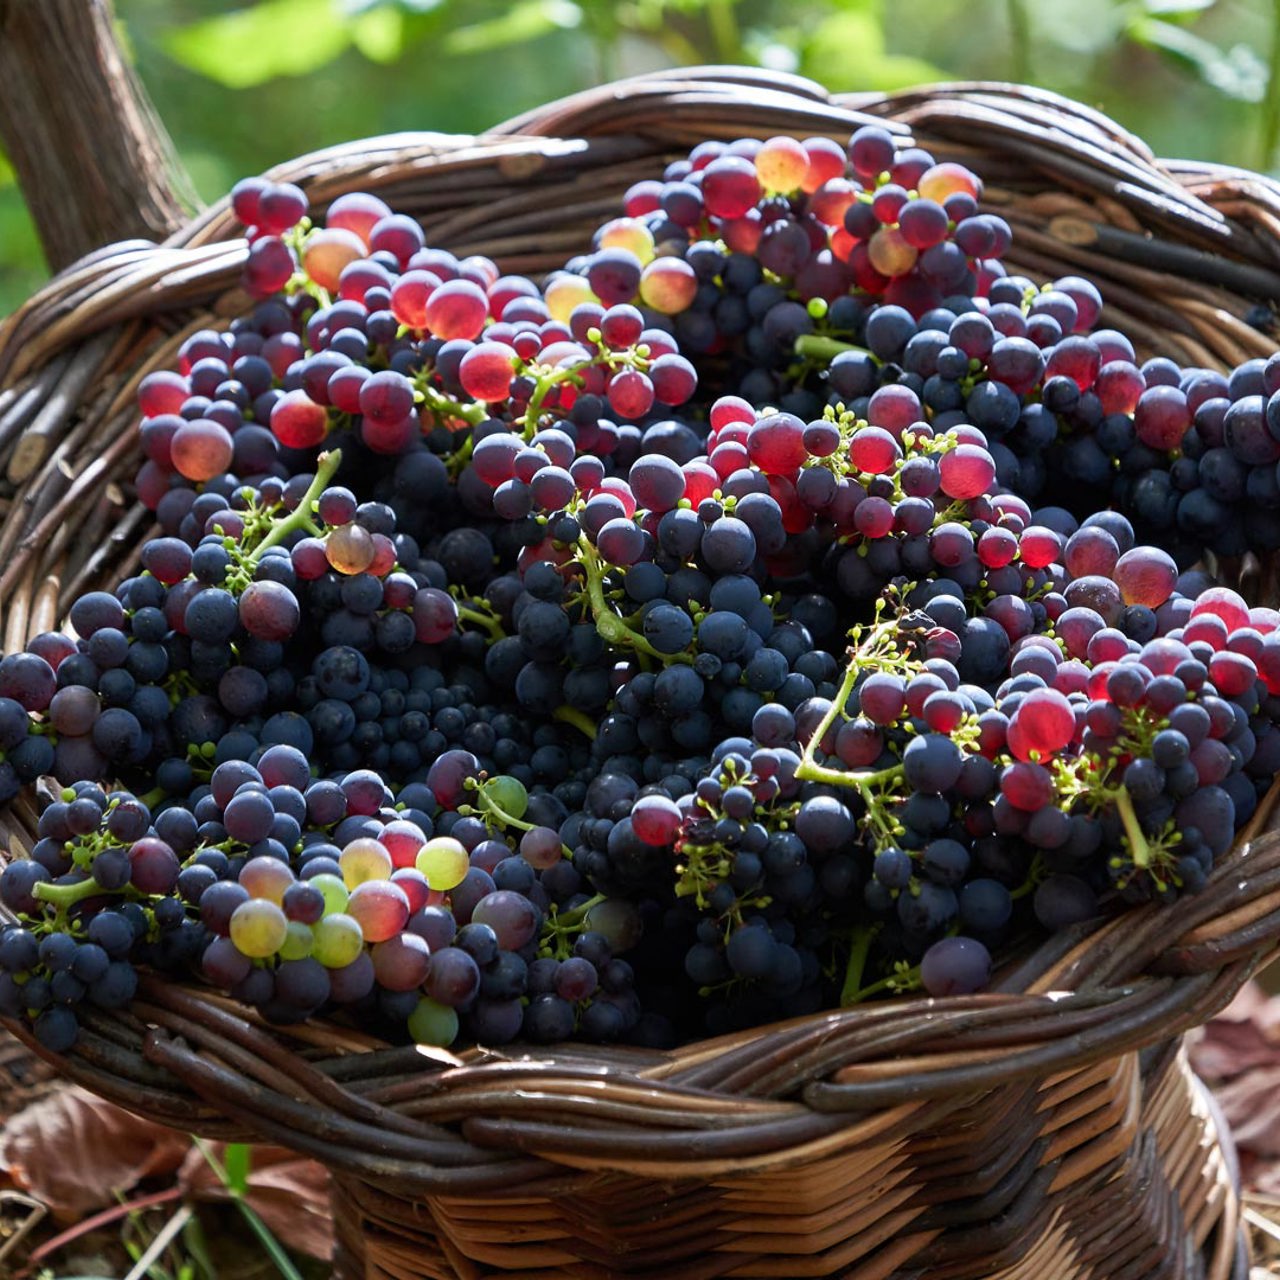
94 162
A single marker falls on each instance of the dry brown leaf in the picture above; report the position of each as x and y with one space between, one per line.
77 1153
290 1194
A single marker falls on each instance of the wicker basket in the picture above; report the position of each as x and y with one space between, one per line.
1049 1128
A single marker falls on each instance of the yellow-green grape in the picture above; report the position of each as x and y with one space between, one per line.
298 941
564 292
627 233
781 164
334 891
508 793
433 1023
364 859
266 878
336 941
258 928
444 862
668 285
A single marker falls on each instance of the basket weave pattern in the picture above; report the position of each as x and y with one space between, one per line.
1048 1128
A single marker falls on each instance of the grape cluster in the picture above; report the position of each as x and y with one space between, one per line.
779 605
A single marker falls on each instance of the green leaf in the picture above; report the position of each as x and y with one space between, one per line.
236 1161
379 34
525 20
846 51
248 47
1237 72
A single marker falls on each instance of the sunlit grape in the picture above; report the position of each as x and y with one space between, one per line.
444 861
380 908
258 928
364 859
338 940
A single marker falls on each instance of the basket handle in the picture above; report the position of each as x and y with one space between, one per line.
93 160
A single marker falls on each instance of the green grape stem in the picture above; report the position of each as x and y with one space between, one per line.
326 468
63 896
557 929
485 622
613 629
578 719
863 781
906 980
851 991
504 819
1139 847
443 406
540 393
820 348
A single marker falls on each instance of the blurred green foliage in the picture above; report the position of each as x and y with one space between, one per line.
242 84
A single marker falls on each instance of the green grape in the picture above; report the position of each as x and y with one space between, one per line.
444 862
337 941
433 1023
298 942
364 859
334 891
258 928
508 794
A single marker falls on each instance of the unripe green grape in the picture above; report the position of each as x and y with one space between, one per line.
298 942
444 862
433 1023
258 928
337 941
334 891
364 859
508 794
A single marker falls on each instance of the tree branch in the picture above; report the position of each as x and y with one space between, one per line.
94 162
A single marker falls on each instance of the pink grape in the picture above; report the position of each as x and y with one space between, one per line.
874 450
966 471
656 820
380 908
435 615
730 187
486 371
297 421
357 211
1145 575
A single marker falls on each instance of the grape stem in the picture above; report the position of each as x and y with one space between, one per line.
504 819
898 981
571 919
540 392
580 720
817 346
63 896
478 619
611 627
326 467
443 407
864 781
1139 848
850 992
